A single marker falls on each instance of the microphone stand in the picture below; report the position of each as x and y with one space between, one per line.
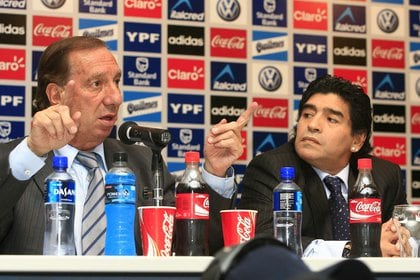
157 171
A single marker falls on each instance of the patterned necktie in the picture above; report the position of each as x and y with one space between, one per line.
94 219
339 209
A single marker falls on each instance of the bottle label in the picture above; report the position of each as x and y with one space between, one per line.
120 193
192 206
365 210
287 200
60 191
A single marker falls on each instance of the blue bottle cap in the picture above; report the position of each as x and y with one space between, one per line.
59 162
287 173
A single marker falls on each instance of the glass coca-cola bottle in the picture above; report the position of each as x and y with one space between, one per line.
365 213
192 211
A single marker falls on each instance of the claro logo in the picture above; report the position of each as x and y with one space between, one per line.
389 118
177 74
14 66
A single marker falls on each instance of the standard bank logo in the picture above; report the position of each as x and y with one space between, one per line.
305 75
414 23
414 55
228 10
188 10
142 71
142 36
10 130
350 19
185 139
228 76
388 86
186 108
269 13
12 101
108 7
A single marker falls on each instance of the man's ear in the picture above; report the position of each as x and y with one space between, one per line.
54 93
358 141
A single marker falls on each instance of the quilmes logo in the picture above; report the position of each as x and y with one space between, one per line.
388 86
228 10
270 78
269 45
387 20
142 106
106 30
228 76
188 10
350 19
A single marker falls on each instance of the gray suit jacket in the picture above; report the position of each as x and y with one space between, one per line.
22 202
262 175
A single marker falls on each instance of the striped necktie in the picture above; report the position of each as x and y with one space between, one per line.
94 219
339 209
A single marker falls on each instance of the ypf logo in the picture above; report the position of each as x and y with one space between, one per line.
228 10
270 78
387 20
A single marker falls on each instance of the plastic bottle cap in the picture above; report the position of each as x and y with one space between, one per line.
287 172
192 156
364 163
59 162
119 156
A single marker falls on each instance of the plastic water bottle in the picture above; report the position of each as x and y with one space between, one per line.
287 211
59 210
120 207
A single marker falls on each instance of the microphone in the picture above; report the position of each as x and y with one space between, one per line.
130 132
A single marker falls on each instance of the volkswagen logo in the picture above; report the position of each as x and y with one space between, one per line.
270 78
418 87
53 4
228 10
387 21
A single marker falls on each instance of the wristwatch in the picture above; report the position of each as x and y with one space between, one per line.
347 250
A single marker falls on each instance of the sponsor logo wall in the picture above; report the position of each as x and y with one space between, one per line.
187 64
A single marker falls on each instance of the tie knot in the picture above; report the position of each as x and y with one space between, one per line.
87 159
333 184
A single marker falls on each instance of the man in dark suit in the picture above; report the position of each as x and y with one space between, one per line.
333 130
78 100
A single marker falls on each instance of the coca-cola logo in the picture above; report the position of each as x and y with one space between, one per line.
58 31
244 228
167 228
235 42
390 54
374 207
276 112
415 119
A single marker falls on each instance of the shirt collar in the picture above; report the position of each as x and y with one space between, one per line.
71 152
343 174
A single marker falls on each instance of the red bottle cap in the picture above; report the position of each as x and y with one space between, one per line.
364 163
192 157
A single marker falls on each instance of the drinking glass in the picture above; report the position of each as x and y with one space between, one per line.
408 216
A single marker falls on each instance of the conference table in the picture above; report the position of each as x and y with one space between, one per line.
141 267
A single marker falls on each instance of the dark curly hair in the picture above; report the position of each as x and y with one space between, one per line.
359 105
54 66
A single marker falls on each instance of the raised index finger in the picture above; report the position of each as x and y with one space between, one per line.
246 115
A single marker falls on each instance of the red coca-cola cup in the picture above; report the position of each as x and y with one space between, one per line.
157 227
238 225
